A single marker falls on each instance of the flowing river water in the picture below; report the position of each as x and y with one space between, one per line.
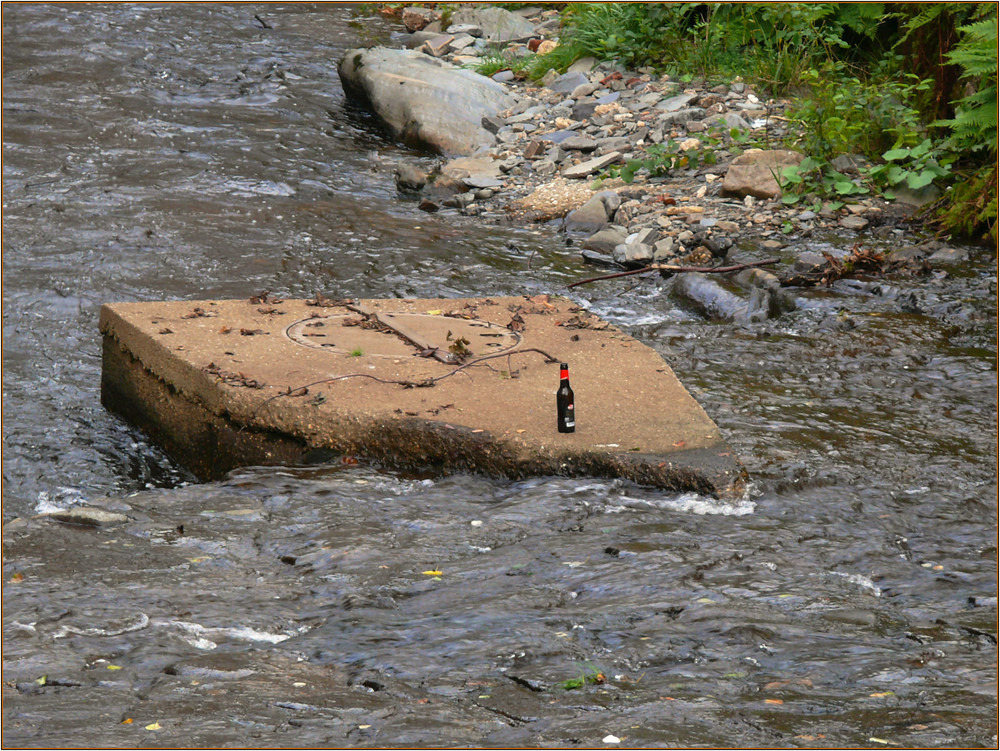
200 151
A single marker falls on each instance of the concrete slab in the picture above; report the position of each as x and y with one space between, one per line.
227 383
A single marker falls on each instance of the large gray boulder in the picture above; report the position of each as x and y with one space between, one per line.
497 24
425 102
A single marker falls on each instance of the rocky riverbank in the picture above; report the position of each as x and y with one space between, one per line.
636 167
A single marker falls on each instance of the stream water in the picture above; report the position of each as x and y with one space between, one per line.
200 151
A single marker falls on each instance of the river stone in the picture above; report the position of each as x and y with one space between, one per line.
681 116
583 65
567 82
424 101
415 19
592 166
853 222
417 38
497 24
594 214
675 103
409 176
605 240
88 516
579 143
753 172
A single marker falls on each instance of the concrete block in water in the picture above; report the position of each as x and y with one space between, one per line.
228 383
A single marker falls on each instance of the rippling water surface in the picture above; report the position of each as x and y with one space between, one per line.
187 152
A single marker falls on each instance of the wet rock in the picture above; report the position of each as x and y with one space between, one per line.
424 101
605 240
496 24
853 222
593 165
428 205
809 261
713 301
950 255
409 176
753 172
594 214
88 516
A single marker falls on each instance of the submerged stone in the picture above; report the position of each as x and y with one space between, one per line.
229 383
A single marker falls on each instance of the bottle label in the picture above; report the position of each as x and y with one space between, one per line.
570 420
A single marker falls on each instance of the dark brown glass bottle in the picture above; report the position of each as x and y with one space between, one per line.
565 406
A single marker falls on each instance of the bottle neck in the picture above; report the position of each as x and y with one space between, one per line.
564 374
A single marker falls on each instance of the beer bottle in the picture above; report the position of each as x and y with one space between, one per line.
565 408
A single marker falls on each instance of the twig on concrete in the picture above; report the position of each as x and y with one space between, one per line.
405 383
677 270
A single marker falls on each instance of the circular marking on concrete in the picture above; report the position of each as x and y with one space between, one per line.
331 334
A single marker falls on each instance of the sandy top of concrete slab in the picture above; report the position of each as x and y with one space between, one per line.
236 357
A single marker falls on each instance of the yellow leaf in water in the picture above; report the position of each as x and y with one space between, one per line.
127 721
363 727
432 573
114 667
17 578
154 726
882 694
199 559
435 312
873 739
773 701
42 681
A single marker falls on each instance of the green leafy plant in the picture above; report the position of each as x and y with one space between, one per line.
589 674
356 352
663 158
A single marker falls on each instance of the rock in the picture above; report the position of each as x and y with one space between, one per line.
605 240
424 101
545 167
633 255
753 172
675 103
503 76
465 28
88 516
594 214
849 164
409 176
534 149
428 205
444 186
579 143
809 261
590 167
584 89
417 38
916 198
558 136
438 46
549 78
853 222
664 249
950 255
546 46
497 24
681 116
415 19
583 65
565 83
599 258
